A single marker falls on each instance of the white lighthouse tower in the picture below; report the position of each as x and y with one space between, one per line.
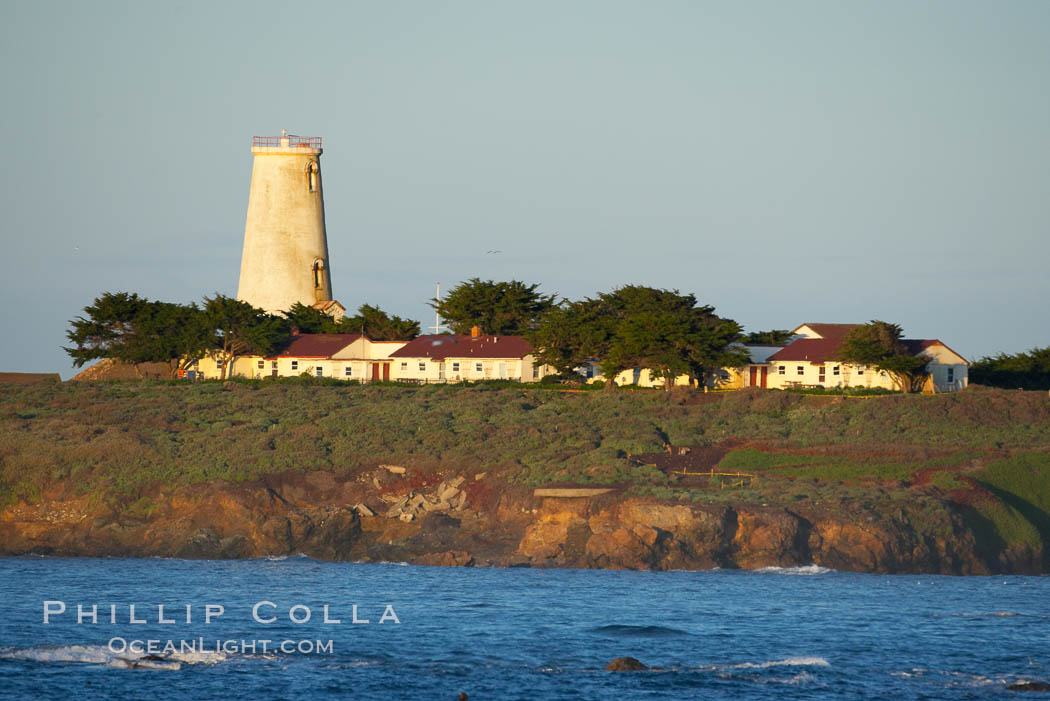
285 257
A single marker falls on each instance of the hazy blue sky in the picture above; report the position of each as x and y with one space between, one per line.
784 161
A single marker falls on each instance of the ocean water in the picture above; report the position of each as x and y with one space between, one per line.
804 633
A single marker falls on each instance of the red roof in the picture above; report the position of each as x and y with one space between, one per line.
821 350
815 350
439 347
317 345
916 346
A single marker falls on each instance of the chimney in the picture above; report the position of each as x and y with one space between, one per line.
475 331
295 330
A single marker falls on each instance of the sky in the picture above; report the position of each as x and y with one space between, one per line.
785 162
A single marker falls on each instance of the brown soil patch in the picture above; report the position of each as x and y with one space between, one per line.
29 378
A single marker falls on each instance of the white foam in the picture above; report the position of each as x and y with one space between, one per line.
91 654
129 663
801 570
992 614
201 657
786 662
101 654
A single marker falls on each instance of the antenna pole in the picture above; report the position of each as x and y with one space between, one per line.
438 328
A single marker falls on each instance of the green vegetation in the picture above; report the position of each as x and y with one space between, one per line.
128 443
237 328
1030 370
639 327
774 337
371 321
1021 484
879 344
836 467
855 391
133 329
501 308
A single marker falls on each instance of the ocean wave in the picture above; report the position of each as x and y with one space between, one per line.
282 558
102 655
637 631
985 614
800 570
786 662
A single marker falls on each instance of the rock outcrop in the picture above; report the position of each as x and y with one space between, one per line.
392 515
626 664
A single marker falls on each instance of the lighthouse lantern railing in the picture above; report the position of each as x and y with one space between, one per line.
285 141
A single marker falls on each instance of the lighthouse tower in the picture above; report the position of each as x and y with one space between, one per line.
285 257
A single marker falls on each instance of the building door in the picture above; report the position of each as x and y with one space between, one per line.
754 375
386 371
502 369
375 372
765 373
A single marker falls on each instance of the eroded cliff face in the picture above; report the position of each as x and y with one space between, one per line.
635 534
466 521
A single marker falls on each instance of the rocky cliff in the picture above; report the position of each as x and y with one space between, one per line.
386 515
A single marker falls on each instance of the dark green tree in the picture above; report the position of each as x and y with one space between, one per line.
879 344
571 334
135 330
237 328
377 325
775 337
310 320
106 328
176 334
668 333
1028 370
502 308
638 327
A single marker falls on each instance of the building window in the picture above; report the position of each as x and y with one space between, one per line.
535 372
295 365
951 374
781 369
801 371
835 370
821 374
318 269
477 367
455 367
349 371
273 364
860 371
319 371
422 366
404 366
311 177
261 364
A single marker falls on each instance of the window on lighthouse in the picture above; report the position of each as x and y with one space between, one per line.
318 277
311 177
